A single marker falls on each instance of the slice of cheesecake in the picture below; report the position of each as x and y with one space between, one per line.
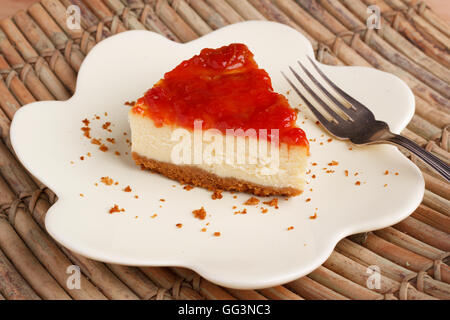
215 122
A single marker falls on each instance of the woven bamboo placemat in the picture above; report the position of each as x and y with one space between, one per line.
40 57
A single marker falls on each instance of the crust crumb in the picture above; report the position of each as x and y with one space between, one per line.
217 195
333 163
251 202
188 187
357 183
127 189
216 234
86 132
116 209
103 148
272 203
264 210
96 141
290 228
154 216
241 212
199 213
179 225
314 216
107 180
85 122
106 126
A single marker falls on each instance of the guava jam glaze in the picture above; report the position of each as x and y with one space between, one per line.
225 88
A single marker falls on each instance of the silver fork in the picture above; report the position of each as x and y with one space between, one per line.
361 127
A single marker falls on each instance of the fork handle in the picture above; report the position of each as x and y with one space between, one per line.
427 157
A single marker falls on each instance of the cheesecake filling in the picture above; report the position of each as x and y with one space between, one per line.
283 168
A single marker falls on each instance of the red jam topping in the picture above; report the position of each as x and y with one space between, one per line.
225 88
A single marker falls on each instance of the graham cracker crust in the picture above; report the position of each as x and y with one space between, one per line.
186 174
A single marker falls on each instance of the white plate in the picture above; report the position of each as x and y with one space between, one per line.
254 250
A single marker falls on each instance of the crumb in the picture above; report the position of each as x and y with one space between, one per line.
81 158
396 173
126 153
358 183
350 148
107 180
106 113
356 173
136 196
330 171
95 141
217 195
241 212
154 216
162 200
135 217
128 140
106 125
103 148
81 195
234 207
116 183
86 132
311 190
207 223
317 122
96 184
111 140
290 228
89 154
85 122
308 172
234 197
333 163
321 143
308 200
251 202
386 172
385 185
124 133
199 213
216 234
179 225
329 140
314 164
313 176
127 189
272 203
264 210
346 173
203 230
130 104
117 153
116 209
188 187
314 216
97 117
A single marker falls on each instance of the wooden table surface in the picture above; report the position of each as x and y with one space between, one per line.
9 7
